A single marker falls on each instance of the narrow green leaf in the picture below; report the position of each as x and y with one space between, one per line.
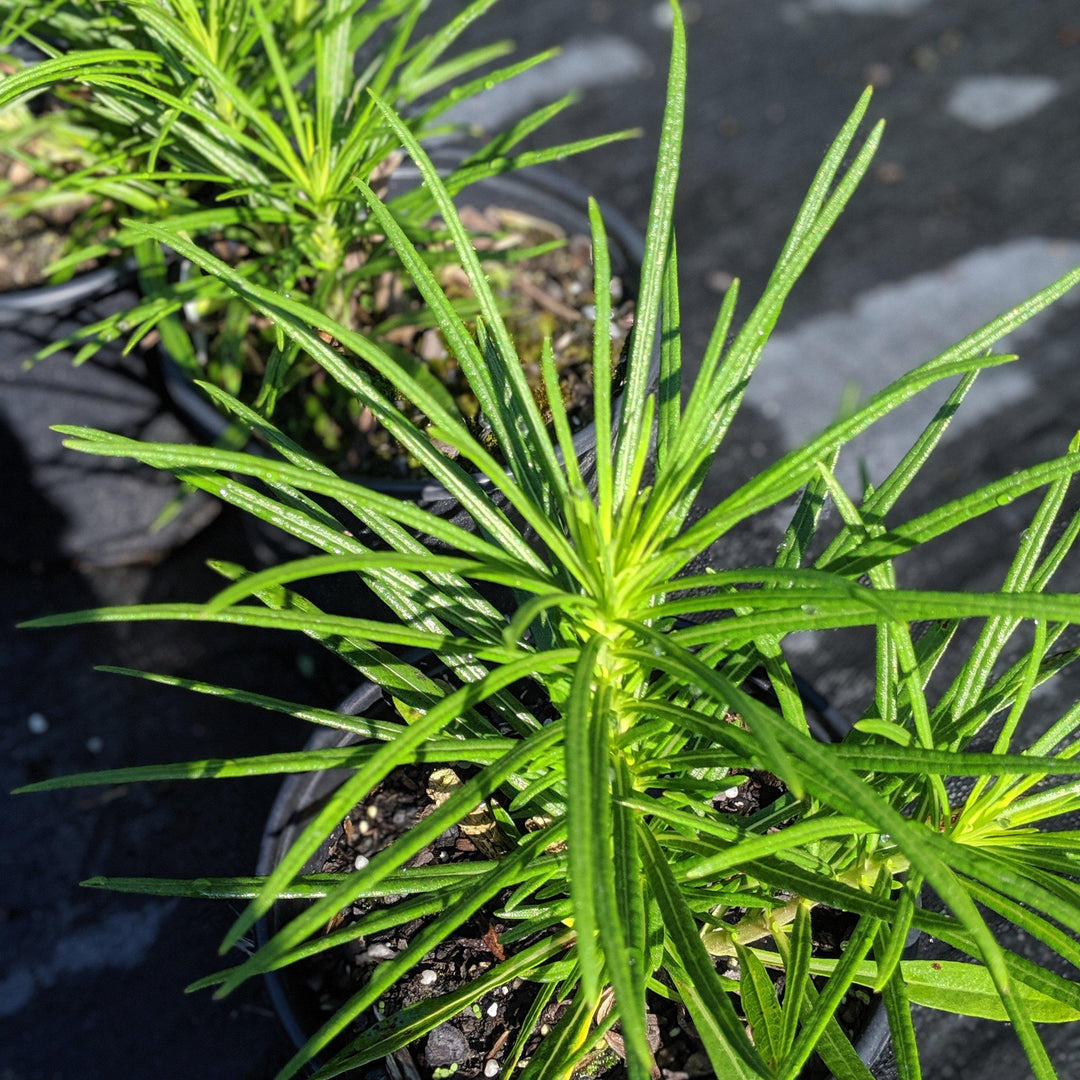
758 997
657 238
670 391
586 769
796 976
730 1051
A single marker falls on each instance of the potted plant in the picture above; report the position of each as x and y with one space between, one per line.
242 126
597 732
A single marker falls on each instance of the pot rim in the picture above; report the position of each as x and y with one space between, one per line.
15 304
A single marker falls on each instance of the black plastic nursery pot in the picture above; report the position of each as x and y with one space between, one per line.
301 796
540 193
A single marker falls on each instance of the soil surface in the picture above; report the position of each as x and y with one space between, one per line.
30 243
33 233
478 1041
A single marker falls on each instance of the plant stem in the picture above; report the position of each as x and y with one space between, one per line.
751 928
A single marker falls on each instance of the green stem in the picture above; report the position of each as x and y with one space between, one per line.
751 928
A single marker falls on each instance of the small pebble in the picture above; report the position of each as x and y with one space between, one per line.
719 281
878 74
491 1068
446 1046
988 102
95 744
731 793
360 862
775 113
889 172
364 827
545 1028
37 723
428 977
697 1064
372 812
493 1009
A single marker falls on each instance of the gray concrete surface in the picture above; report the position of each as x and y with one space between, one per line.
976 193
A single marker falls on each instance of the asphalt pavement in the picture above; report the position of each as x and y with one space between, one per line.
973 203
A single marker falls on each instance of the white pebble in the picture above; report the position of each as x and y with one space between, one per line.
372 812
95 744
364 826
428 977
731 793
491 1068
37 723
361 861
545 1028
493 1009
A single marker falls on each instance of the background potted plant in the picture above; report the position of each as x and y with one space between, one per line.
242 126
593 710
184 114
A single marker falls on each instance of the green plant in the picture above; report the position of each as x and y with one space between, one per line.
241 124
621 873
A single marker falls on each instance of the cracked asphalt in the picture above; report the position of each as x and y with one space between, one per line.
973 203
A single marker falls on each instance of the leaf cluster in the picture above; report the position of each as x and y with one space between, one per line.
622 878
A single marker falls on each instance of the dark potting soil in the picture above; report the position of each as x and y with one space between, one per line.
31 241
478 1040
